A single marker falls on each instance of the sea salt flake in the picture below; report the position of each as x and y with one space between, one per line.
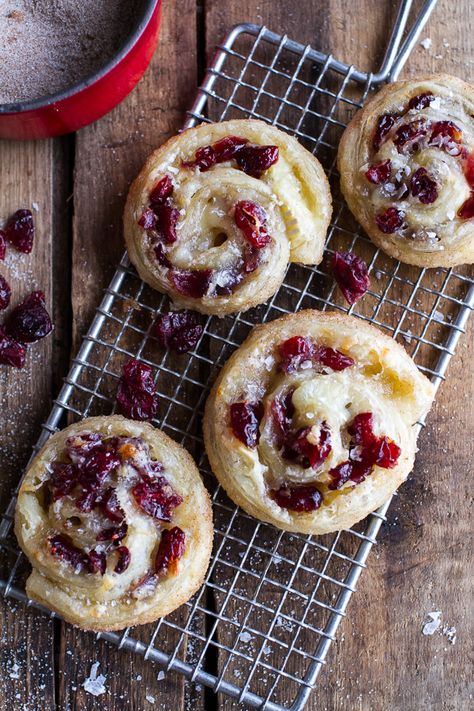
438 316
245 637
426 43
161 675
14 674
94 684
150 698
450 215
433 624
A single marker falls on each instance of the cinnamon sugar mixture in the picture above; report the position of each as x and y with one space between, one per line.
47 46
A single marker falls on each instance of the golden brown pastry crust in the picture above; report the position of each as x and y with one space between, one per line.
113 601
433 234
294 194
384 380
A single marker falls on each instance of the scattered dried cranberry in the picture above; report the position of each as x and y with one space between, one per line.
333 358
221 151
361 429
255 160
11 352
295 351
409 136
340 475
194 283
390 221
113 533
136 392
298 498
61 546
124 559
29 321
204 159
469 169
167 219
380 173
20 231
148 220
445 129
465 212
422 101
178 330
305 452
161 256
162 191
423 187
64 478
170 550
252 219
3 245
245 419
110 506
282 410
157 498
351 275
252 259
386 453
97 562
5 293
95 469
231 278
384 125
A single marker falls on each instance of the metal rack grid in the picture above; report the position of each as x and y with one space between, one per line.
260 627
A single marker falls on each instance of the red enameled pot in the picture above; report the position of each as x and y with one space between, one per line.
93 97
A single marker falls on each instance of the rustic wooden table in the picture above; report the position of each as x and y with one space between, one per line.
424 560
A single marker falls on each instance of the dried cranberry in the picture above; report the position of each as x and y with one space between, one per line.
469 169
3 245
340 475
148 220
11 352
390 221
465 212
295 351
64 478
97 562
252 259
110 506
157 498
334 359
87 500
351 274
298 498
408 136
20 231
204 159
5 293
255 160
136 392
299 449
178 330
245 419
228 279
124 559
161 256
386 453
445 129
162 191
361 429
79 446
384 125
170 550
113 533
98 465
194 283
282 410
167 219
380 173
221 151
29 321
422 101
61 546
423 187
251 219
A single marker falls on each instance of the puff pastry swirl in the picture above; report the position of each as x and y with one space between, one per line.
116 523
407 170
309 425
218 211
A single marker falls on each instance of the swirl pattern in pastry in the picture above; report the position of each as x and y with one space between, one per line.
407 170
309 425
218 211
116 523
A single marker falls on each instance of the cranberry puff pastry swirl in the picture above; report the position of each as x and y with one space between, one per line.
407 170
116 523
309 425
218 211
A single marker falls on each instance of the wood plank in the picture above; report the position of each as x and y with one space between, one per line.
108 156
424 544
27 178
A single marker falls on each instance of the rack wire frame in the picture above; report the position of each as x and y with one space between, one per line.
271 602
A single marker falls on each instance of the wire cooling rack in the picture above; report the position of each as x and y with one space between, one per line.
260 627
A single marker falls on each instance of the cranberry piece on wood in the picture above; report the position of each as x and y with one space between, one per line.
351 274
255 160
3 245
11 352
20 231
380 173
123 560
29 321
194 283
170 550
245 419
178 330
423 187
294 352
136 392
420 102
390 221
298 498
251 219
157 498
5 293
384 125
